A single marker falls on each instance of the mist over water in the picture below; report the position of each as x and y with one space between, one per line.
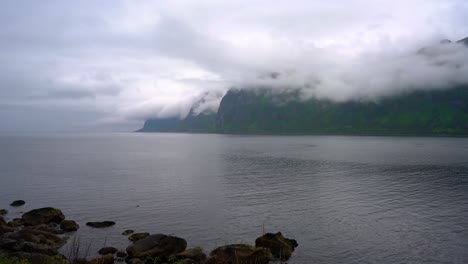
344 199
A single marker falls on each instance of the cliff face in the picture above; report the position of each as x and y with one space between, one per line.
443 112
423 112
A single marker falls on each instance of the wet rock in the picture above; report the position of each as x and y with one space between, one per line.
138 236
13 243
44 215
128 232
121 255
160 246
3 211
48 228
195 254
5 228
16 222
2 221
107 250
30 247
240 253
69 226
102 224
53 225
37 237
18 203
279 246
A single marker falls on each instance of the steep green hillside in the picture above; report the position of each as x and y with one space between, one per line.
442 112
422 112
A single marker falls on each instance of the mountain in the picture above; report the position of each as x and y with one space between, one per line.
201 123
262 111
419 113
437 112
464 41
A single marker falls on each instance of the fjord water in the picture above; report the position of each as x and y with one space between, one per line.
344 199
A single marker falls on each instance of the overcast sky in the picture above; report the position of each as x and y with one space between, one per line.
109 65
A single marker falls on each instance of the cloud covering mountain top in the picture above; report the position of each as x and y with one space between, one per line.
111 64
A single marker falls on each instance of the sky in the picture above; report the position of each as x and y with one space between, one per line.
109 65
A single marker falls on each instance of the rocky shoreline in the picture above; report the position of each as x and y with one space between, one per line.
39 234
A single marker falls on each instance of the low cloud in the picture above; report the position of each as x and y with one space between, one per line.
370 77
127 61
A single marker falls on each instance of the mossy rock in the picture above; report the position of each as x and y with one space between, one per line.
157 246
240 253
44 215
69 226
279 246
128 232
16 222
195 254
36 241
121 255
49 229
4 228
138 236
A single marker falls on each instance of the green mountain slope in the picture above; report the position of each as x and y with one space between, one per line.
441 112
423 112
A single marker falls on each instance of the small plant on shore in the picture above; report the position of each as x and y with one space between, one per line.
75 252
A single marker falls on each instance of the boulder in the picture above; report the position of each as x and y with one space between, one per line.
29 247
160 246
279 246
69 226
107 250
120 255
44 215
100 224
128 232
53 225
16 222
17 203
4 228
3 211
137 236
195 254
47 228
240 253
32 241
37 236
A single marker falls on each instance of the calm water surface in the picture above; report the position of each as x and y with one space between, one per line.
345 199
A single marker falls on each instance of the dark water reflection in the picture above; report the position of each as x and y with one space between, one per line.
345 199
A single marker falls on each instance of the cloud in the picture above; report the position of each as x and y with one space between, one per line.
124 61
370 77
